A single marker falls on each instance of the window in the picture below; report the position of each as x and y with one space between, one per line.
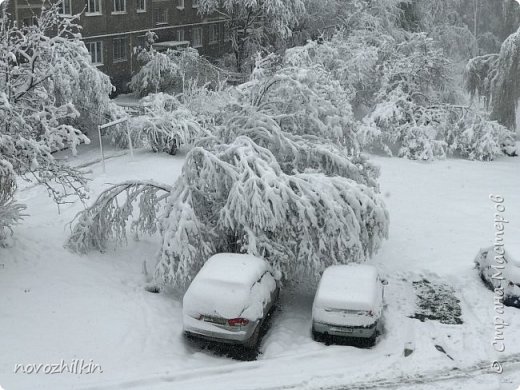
213 33
194 3
119 49
119 6
180 35
196 39
180 4
93 7
65 7
96 52
160 16
141 5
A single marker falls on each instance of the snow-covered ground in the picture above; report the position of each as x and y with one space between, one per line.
56 305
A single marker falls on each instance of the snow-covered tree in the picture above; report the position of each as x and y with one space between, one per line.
479 75
409 107
506 84
304 98
254 24
38 86
172 71
280 179
236 197
167 124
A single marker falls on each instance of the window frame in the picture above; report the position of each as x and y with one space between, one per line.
141 10
61 8
214 33
163 12
198 29
119 59
194 3
99 11
125 6
178 33
95 52
180 4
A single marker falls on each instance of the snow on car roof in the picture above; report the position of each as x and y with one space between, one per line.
223 287
352 286
233 268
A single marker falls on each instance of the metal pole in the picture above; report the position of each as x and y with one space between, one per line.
101 148
129 141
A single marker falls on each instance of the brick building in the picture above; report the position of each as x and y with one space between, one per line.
113 29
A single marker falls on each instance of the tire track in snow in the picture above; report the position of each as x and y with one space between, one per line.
481 368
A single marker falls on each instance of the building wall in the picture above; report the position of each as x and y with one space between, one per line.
108 28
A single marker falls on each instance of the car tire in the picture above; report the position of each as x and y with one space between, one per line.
316 336
371 341
252 343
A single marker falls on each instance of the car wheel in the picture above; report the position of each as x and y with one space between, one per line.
316 336
253 340
371 341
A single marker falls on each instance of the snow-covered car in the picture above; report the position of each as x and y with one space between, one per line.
501 272
229 299
348 303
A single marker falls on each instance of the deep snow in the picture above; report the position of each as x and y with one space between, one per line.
56 305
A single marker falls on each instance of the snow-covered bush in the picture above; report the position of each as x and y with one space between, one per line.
399 127
10 211
476 137
167 124
172 70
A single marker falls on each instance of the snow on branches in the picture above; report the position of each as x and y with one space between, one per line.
280 176
506 84
43 67
172 71
236 197
109 215
254 24
167 124
10 211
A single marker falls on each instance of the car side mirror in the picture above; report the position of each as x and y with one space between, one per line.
384 282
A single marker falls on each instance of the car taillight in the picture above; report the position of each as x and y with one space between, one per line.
238 322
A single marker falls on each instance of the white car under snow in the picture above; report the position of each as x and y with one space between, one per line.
348 303
229 299
500 272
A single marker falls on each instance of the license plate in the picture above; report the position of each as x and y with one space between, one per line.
215 320
342 330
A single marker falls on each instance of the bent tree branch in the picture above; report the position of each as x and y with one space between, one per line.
113 212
